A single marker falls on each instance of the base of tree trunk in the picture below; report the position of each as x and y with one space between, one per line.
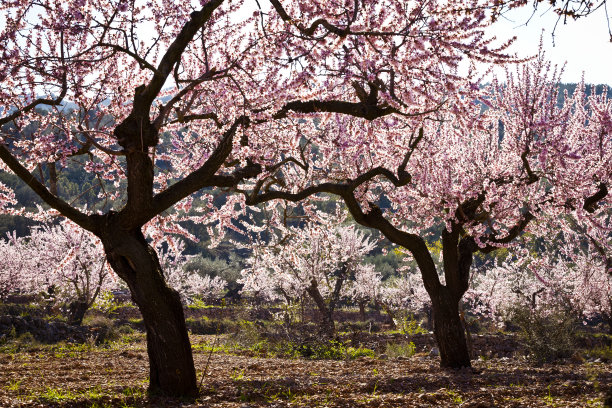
171 367
450 335
328 327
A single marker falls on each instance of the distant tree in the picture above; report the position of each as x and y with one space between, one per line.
403 296
366 288
12 263
63 261
321 259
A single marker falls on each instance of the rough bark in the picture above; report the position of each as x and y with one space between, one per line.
449 329
171 368
449 332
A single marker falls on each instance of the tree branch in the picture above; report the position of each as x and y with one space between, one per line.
590 203
144 99
35 103
512 234
203 176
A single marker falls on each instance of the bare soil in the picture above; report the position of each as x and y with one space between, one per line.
117 377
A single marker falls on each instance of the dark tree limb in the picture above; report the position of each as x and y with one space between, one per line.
590 203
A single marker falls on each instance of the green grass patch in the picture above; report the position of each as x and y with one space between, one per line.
403 349
357 352
604 353
133 392
56 395
199 304
62 350
322 350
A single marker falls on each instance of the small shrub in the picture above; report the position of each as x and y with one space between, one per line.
353 353
318 350
106 330
198 304
26 339
408 325
131 338
403 349
547 334
107 303
289 314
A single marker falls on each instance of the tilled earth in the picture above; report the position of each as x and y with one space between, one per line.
118 377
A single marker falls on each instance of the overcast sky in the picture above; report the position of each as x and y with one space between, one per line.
584 43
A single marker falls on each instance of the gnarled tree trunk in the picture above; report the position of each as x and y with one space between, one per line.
448 331
328 326
448 327
326 309
76 311
171 368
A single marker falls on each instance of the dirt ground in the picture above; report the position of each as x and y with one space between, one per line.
117 377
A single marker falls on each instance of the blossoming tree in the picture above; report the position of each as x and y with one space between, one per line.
67 265
478 175
572 280
190 284
64 261
321 259
162 99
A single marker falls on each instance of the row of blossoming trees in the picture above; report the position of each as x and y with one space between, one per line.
369 101
323 261
64 266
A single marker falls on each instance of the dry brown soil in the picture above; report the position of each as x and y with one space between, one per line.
118 378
